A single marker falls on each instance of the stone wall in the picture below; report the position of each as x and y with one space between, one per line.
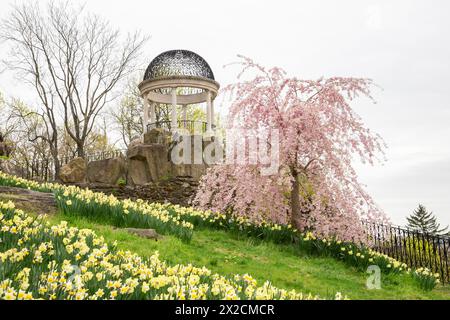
178 190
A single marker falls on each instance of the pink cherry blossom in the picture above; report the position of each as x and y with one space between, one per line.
316 187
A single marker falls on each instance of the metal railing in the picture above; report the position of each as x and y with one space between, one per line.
106 155
96 156
414 248
192 126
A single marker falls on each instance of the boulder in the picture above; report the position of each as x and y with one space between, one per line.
107 171
195 171
157 135
144 233
162 157
29 200
147 163
192 164
74 171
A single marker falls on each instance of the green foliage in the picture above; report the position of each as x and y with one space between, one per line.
120 214
121 182
107 209
166 177
284 265
39 261
179 221
426 279
423 251
423 221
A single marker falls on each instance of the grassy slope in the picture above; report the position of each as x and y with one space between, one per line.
284 266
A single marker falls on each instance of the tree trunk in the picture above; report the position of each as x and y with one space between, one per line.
56 164
80 150
295 201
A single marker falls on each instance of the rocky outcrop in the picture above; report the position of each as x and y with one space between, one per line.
74 171
158 136
152 160
192 164
29 201
148 163
107 171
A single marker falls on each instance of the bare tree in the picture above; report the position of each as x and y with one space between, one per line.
127 116
30 155
7 121
74 60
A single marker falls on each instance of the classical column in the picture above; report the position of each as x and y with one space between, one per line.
152 112
212 114
184 115
145 117
208 112
174 122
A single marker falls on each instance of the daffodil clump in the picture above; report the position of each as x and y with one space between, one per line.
100 207
355 255
240 225
39 261
14 181
180 221
426 279
121 213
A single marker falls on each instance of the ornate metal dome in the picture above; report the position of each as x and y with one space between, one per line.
178 63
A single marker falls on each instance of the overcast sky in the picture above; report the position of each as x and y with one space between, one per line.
402 45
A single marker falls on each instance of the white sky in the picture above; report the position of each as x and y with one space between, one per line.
403 45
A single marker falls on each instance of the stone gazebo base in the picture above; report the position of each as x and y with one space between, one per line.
150 161
146 162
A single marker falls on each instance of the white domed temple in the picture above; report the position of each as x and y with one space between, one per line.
175 80
178 78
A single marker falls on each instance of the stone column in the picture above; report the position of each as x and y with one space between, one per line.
152 112
208 112
145 117
174 122
185 115
212 115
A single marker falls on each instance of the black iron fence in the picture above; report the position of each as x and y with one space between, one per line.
414 248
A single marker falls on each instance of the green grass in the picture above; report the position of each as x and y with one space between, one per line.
283 265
